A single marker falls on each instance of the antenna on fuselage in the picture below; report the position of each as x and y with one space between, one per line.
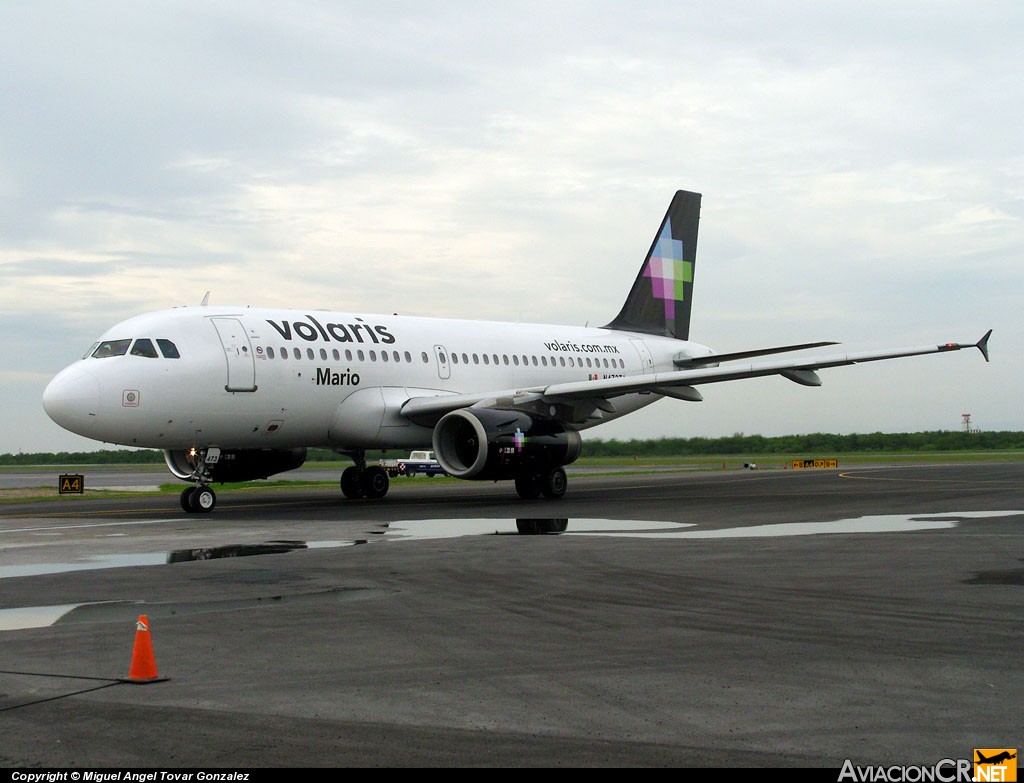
206 299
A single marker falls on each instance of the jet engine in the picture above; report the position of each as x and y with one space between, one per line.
483 443
239 465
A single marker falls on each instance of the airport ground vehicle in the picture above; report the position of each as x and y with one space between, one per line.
416 462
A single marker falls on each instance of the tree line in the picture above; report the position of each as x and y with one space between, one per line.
815 443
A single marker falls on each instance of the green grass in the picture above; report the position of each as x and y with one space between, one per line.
605 466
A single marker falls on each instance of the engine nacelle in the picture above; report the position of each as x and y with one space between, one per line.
483 443
240 465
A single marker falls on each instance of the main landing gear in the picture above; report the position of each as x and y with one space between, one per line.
551 484
360 481
363 481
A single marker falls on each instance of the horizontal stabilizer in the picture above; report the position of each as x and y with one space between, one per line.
681 361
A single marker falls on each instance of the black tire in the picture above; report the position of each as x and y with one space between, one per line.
351 483
186 500
410 471
528 487
554 483
375 482
204 499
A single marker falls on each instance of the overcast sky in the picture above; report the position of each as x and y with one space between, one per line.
861 165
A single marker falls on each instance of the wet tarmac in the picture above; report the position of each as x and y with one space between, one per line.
733 619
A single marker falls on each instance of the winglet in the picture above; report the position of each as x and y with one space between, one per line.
982 344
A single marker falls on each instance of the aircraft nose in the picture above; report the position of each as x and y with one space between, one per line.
72 399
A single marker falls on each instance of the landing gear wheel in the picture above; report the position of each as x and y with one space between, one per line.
351 486
198 500
375 482
554 483
528 487
203 499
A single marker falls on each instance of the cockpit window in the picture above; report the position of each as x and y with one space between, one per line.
111 348
144 347
169 349
89 352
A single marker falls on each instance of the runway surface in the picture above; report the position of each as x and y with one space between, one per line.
703 619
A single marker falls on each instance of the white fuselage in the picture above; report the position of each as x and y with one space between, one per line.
263 378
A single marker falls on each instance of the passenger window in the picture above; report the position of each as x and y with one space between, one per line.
309 354
323 354
270 352
168 349
109 348
296 353
336 355
408 357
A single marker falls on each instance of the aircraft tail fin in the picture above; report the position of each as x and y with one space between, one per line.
659 302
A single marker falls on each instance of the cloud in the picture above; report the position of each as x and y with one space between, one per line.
860 166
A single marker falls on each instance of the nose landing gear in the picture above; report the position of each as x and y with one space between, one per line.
198 500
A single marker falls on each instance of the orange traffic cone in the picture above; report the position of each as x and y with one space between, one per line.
143 668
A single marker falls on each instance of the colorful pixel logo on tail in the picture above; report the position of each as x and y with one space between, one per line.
661 297
669 273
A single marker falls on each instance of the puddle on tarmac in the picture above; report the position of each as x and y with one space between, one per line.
426 529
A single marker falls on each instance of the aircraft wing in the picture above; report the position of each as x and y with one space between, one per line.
678 383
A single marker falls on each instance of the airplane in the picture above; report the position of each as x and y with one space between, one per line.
996 759
238 393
